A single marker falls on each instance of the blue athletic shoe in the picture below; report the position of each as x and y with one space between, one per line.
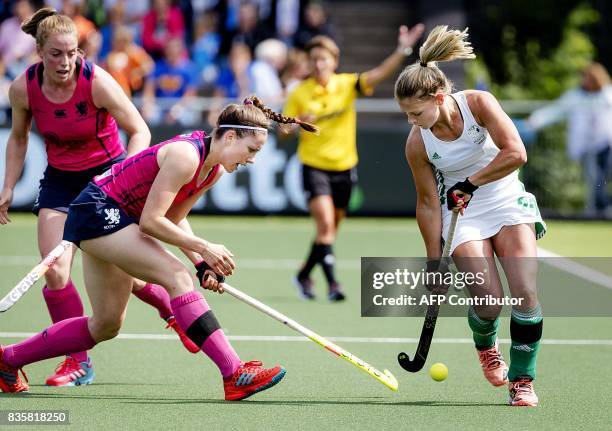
72 373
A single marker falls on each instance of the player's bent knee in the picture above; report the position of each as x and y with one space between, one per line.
488 312
105 329
180 282
57 277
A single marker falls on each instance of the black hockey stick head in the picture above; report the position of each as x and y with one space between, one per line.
415 365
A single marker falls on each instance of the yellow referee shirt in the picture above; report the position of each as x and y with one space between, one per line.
332 106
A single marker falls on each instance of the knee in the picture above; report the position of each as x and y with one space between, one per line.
326 231
527 294
488 312
57 277
105 329
180 281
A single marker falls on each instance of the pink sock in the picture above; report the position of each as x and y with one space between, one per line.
58 339
190 306
65 303
156 296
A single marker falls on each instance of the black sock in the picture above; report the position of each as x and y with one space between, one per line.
313 258
327 262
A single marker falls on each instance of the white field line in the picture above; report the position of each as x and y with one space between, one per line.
575 268
367 340
267 264
560 262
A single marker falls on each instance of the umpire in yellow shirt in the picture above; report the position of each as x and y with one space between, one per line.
329 159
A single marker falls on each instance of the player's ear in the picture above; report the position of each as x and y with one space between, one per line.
229 136
439 98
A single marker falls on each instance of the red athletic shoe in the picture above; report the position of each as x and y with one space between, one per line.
251 378
70 372
522 393
9 379
189 345
493 365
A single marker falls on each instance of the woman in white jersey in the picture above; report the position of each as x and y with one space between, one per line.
466 150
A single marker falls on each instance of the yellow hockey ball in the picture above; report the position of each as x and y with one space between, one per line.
438 372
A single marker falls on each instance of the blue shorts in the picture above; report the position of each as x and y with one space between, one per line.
58 188
94 214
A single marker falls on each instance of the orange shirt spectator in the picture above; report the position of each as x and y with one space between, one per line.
127 62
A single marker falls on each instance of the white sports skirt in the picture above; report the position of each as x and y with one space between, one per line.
486 215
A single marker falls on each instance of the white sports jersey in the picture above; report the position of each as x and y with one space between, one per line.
499 203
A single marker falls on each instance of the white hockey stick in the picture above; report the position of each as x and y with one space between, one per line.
29 280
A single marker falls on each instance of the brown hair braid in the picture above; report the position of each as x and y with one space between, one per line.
253 113
280 118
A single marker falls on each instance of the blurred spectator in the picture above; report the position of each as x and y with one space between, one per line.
91 46
186 8
270 60
249 31
95 11
206 47
116 18
169 90
235 81
162 23
17 48
284 18
296 70
128 63
133 14
315 23
84 26
588 110
5 104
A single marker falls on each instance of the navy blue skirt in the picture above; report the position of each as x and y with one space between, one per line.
58 188
94 214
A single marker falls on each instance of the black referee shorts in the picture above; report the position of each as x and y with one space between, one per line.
337 184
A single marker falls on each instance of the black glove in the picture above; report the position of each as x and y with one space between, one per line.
465 187
201 269
436 276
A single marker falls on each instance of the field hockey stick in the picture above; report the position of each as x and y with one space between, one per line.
431 316
29 280
386 378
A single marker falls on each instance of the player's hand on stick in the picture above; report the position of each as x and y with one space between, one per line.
219 258
208 278
6 197
436 278
458 196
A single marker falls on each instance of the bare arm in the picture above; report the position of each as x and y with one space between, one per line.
17 144
428 211
406 40
178 215
109 95
512 155
178 163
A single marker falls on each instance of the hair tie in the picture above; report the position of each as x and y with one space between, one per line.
248 101
422 64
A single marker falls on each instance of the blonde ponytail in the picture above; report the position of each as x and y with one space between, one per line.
424 78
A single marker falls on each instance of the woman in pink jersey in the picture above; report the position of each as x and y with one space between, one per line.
74 105
120 221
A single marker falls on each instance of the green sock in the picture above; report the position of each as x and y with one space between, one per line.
484 331
526 332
